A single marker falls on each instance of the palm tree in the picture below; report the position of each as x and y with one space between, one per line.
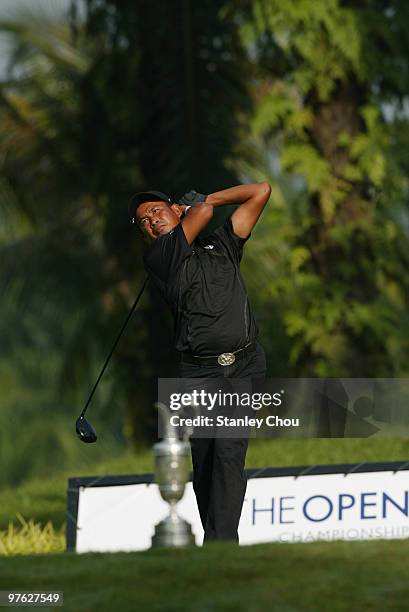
92 110
65 293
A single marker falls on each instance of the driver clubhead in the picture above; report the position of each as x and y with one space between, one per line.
85 430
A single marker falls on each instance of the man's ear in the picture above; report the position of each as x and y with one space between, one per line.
177 209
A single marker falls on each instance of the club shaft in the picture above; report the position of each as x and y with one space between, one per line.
138 297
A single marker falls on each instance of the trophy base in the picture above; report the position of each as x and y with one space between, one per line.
173 532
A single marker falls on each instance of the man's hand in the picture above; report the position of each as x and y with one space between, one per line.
192 198
250 199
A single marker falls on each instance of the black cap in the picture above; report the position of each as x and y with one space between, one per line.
146 196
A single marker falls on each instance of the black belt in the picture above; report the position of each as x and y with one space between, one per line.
224 359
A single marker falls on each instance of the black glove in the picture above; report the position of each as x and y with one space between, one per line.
192 198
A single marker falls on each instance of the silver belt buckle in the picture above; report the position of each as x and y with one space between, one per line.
226 359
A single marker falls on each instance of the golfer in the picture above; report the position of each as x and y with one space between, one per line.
215 330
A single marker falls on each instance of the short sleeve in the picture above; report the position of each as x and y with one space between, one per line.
166 254
230 241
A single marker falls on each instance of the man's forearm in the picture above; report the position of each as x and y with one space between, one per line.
236 195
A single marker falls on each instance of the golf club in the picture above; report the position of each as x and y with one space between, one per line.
85 431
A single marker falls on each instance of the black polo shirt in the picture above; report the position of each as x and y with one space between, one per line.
203 286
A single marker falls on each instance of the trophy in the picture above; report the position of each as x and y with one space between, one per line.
171 474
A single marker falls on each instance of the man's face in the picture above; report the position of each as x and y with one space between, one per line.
157 218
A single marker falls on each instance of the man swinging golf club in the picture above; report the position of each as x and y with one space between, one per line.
215 331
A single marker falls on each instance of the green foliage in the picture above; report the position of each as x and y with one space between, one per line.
307 95
67 283
31 538
89 115
339 283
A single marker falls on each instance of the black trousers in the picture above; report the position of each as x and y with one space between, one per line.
219 480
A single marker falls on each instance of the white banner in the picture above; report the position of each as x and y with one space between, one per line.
356 506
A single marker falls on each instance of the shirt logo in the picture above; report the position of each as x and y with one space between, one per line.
209 246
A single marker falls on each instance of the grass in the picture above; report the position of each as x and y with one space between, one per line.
45 499
220 577
30 537
281 453
334 577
